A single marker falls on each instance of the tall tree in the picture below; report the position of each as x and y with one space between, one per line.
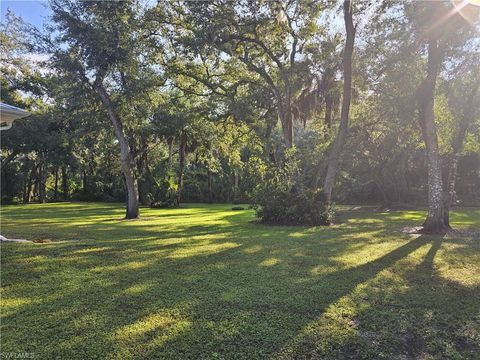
443 31
269 40
339 142
98 41
426 93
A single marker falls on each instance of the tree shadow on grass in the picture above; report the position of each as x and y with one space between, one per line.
203 291
260 322
413 312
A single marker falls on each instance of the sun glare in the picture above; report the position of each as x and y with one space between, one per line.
468 9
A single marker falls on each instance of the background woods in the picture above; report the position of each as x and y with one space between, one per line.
249 101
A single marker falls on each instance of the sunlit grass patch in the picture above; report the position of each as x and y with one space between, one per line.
202 281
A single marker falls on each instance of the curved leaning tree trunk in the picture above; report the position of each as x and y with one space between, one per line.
125 155
335 153
436 221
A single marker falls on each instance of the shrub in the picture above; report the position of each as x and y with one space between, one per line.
294 206
166 196
282 198
169 203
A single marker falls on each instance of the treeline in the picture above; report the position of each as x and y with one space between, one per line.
354 102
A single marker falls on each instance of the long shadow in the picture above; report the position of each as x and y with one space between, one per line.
321 293
420 314
235 306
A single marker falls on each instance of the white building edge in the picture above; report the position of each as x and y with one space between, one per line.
8 114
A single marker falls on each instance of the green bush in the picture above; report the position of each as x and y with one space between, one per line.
166 196
294 206
283 198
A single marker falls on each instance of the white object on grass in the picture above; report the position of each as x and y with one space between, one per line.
3 238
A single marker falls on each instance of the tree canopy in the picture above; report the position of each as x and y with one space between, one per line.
246 101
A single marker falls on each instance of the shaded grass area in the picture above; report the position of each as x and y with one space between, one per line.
205 282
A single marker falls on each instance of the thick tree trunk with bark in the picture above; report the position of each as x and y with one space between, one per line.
126 160
181 164
435 222
335 152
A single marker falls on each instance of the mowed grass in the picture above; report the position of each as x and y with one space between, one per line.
205 282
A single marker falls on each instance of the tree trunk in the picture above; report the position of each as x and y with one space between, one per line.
126 161
209 184
435 221
170 151
64 183
181 164
55 188
334 157
36 186
380 186
24 187
28 193
286 119
149 184
42 191
235 186
85 181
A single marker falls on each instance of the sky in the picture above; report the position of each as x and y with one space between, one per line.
34 12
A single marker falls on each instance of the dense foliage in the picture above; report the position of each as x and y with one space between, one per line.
204 101
282 197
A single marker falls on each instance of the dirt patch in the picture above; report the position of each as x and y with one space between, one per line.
412 230
41 241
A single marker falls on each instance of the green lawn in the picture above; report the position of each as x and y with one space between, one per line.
204 282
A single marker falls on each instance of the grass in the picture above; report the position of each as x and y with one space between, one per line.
204 282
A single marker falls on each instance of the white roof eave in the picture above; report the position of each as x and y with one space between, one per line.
9 113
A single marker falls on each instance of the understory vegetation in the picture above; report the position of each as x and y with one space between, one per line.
281 197
205 282
157 104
